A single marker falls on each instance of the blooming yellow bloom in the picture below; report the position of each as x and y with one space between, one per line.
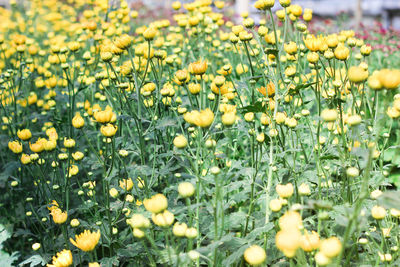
24 134
390 79
15 146
357 74
108 130
87 240
59 217
198 67
62 259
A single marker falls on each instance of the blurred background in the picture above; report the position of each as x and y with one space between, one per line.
351 12
354 12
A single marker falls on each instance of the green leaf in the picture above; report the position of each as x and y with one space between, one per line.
110 261
390 199
256 107
271 51
7 259
164 123
4 235
389 153
235 256
35 260
396 159
303 86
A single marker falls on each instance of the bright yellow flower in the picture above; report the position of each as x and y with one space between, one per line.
62 259
59 217
87 240
15 146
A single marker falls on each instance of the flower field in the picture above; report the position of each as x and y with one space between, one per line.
196 140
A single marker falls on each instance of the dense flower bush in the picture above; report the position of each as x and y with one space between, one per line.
195 141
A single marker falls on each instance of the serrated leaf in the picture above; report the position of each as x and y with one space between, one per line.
110 261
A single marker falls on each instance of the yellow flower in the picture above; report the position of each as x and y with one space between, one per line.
87 240
179 229
329 115
180 141
331 247
52 133
264 4
309 242
307 16
24 134
38 146
126 184
341 52
176 5
25 159
75 223
73 170
150 33
123 42
288 241
50 145
114 192
357 74
378 212
321 259
304 190
291 220
62 259
313 43
229 118
198 67
255 255
15 146
138 221
108 130
390 79
77 121
69 142
275 205
205 118
284 191
284 3
191 233
182 77
186 189
156 203
194 88
290 48
103 116
164 219
59 217
78 155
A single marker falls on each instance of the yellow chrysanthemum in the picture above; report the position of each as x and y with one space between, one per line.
87 240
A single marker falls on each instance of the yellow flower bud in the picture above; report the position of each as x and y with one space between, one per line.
180 141
186 189
255 255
